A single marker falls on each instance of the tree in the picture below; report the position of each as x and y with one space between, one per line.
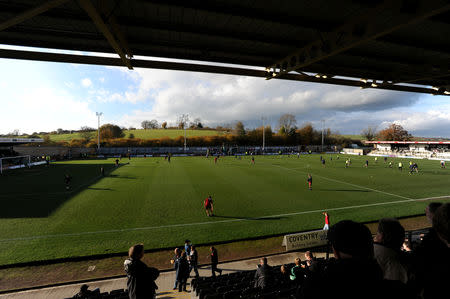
131 136
182 121
154 124
394 132
60 131
47 139
164 125
110 131
14 133
145 124
196 124
369 133
86 133
288 122
306 134
239 129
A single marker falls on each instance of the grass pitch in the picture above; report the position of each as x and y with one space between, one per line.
160 204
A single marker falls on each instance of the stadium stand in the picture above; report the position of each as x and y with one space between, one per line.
242 285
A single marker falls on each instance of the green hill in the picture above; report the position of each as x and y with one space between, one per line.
145 134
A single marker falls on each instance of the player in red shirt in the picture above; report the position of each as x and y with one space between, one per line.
327 221
209 208
309 181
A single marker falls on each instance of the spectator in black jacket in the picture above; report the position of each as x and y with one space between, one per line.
263 275
354 274
140 278
183 272
214 261
432 256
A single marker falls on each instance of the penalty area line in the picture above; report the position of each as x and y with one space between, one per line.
217 222
350 184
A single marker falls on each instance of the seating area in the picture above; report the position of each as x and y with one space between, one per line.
241 285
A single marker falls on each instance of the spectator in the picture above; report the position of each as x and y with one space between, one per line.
285 273
387 249
182 272
297 272
84 293
432 256
187 247
354 273
312 265
193 261
214 261
140 277
431 209
263 275
175 262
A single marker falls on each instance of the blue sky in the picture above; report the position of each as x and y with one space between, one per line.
43 96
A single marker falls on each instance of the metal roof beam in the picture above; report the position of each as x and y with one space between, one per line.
167 65
112 21
363 28
31 13
237 10
103 28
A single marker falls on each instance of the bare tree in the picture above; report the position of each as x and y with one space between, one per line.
15 132
369 133
87 133
182 121
287 122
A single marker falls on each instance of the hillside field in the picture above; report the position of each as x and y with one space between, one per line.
145 134
160 204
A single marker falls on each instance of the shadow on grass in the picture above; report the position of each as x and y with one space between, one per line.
100 189
39 191
115 176
248 218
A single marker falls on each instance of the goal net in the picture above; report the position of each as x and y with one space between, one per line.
7 163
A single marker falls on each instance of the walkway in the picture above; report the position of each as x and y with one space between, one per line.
165 280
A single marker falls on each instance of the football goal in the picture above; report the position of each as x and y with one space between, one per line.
14 162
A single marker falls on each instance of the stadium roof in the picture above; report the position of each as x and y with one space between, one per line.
17 141
407 142
392 44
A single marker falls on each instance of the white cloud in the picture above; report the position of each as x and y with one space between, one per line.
44 109
219 99
86 82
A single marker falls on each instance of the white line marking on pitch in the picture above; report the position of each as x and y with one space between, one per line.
343 182
220 221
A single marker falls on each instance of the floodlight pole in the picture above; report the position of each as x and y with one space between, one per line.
98 129
264 135
185 137
323 121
